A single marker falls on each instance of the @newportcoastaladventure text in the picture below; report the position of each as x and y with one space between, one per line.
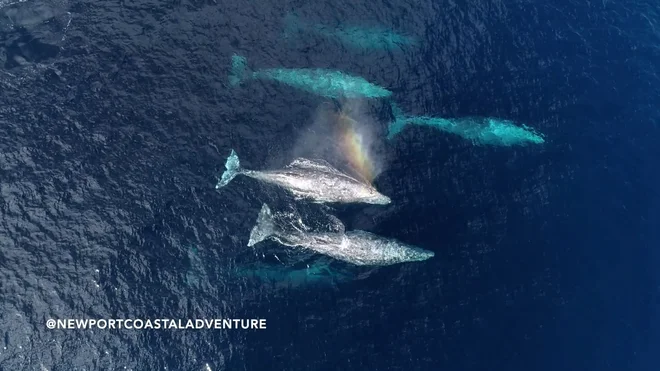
157 324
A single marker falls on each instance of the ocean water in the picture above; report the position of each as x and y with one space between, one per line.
116 118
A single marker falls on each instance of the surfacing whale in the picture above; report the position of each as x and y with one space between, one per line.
315 180
355 247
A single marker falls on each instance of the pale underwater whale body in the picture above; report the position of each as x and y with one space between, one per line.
317 273
478 130
356 37
326 83
315 180
355 247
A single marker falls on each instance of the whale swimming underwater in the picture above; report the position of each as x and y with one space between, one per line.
326 83
354 36
355 247
316 273
479 130
315 180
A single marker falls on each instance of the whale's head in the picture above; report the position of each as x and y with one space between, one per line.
381 199
372 196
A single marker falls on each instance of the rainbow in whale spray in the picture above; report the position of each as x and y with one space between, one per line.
354 144
344 135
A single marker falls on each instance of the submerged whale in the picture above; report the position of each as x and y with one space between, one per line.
357 37
326 83
316 273
315 180
355 247
478 130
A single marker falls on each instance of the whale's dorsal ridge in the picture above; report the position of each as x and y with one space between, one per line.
321 166
317 164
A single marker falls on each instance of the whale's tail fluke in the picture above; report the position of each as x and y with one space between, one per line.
238 69
264 228
233 168
399 122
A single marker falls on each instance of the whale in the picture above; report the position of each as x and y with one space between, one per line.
278 275
353 36
356 247
478 130
322 82
314 180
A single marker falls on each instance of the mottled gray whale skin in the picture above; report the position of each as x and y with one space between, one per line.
355 247
314 180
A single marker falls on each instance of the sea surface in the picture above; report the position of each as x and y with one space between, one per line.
116 118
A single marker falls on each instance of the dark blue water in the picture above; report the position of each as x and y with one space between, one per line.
115 126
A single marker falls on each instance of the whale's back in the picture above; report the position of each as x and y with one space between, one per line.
328 83
366 248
